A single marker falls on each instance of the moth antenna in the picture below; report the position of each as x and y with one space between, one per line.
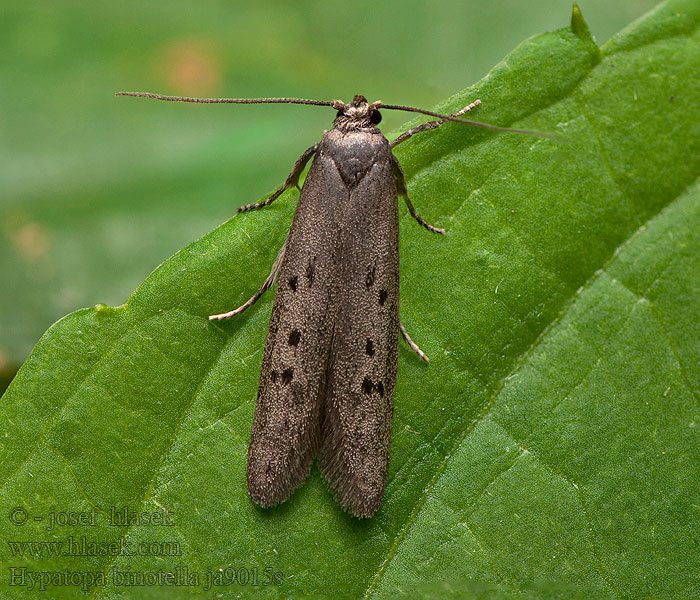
458 120
333 103
337 104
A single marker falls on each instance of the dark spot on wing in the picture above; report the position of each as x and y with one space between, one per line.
293 283
383 295
287 375
369 348
294 337
380 388
367 386
310 271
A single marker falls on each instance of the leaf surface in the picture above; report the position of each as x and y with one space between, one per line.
549 449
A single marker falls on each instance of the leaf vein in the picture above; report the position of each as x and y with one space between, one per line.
602 571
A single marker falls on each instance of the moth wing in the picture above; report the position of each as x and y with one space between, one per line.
286 431
356 429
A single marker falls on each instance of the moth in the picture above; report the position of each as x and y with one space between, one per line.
330 359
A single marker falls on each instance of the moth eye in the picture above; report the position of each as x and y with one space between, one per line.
376 117
340 113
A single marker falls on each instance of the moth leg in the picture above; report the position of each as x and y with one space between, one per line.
411 343
430 125
400 179
292 180
256 296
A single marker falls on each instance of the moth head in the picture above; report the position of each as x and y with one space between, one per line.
358 114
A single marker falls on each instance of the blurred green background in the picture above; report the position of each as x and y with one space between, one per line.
98 190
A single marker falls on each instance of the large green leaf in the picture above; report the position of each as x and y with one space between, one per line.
549 449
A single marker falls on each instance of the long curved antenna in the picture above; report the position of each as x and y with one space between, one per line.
229 100
338 104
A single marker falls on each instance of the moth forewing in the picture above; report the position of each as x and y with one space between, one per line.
356 428
286 431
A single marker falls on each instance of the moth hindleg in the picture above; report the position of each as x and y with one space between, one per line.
292 180
400 179
263 288
411 343
430 125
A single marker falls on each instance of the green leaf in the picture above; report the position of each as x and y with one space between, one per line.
549 449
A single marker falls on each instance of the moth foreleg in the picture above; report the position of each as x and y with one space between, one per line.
401 189
256 296
411 343
430 125
292 180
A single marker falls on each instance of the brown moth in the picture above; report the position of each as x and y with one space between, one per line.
329 365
